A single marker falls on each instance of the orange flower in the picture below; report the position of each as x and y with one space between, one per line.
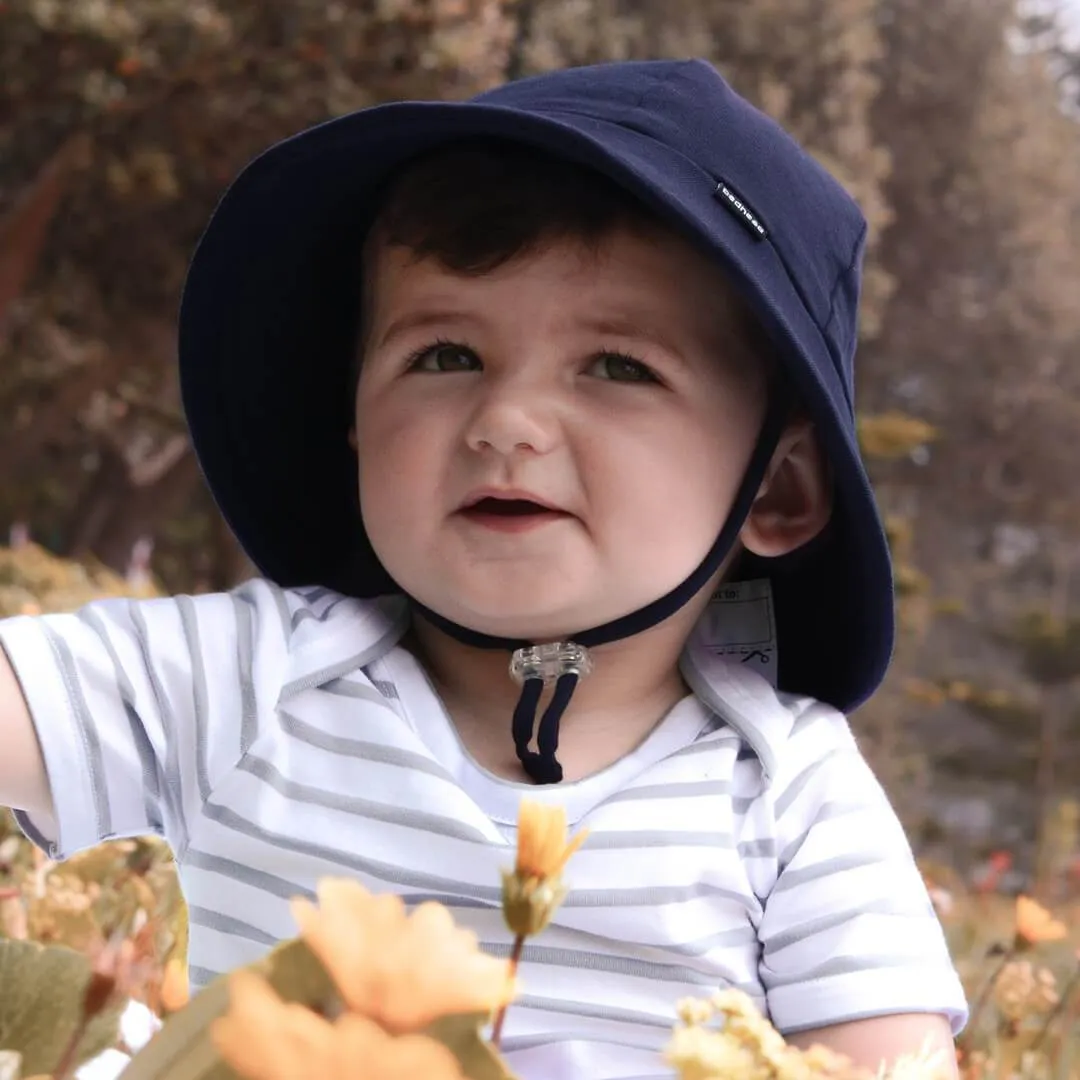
1035 925
400 970
265 1038
533 891
175 989
543 850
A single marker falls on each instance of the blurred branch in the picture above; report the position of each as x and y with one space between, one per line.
23 229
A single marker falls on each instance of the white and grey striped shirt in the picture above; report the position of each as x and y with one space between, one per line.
278 736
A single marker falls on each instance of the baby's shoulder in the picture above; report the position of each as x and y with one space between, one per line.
787 734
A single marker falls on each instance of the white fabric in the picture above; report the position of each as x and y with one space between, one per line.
277 736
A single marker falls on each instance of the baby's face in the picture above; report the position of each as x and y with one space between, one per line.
613 391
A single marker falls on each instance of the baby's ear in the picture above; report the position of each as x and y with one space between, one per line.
795 501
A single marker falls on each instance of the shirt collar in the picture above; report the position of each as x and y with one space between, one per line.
352 633
349 635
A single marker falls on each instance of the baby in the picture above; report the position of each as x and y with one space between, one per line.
536 414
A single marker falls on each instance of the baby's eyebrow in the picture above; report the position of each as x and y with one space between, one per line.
628 326
421 319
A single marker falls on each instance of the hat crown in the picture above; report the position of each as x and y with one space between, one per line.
813 223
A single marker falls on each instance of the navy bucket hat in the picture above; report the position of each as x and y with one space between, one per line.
269 319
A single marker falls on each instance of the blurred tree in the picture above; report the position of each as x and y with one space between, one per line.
173 98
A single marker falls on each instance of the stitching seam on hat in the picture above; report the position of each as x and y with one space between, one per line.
859 241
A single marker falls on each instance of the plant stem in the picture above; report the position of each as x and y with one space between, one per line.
984 996
1059 1008
1071 1014
67 1059
515 959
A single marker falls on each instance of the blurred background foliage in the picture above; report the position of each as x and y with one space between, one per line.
955 124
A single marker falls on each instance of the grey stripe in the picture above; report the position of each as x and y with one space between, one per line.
34 834
286 890
346 688
245 874
537 1042
342 667
809 928
729 740
300 615
758 849
171 769
358 748
579 960
596 1012
464 903
784 800
151 784
201 977
622 840
314 593
245 634
88 731
91 740
396 876
725 939
303 614
387 689
200 694
844 965
226 924
690 789
328 610
827 812
359 807
282 606
792 879
649 896
391 874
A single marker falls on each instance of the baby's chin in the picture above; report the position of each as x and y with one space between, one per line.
538 617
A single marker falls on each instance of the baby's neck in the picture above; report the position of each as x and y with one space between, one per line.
634 685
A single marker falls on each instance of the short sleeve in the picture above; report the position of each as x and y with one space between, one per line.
848 930
139 704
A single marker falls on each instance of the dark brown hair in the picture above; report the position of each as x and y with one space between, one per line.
478 204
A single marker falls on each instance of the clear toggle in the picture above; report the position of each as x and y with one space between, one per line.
548 662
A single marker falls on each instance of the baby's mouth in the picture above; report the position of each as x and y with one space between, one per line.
510 515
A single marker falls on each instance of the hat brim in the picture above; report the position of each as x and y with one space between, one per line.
267 329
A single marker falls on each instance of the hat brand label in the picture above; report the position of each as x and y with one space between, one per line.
741 210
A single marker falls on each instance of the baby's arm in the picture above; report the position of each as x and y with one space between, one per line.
137 708
885 1038
853 954
24 784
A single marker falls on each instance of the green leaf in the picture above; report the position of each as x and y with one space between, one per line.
479 1060
41 1005
182 1050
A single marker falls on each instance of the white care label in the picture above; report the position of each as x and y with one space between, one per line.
739 623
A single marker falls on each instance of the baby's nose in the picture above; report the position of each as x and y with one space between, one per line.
513 422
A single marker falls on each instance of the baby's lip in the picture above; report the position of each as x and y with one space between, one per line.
509 495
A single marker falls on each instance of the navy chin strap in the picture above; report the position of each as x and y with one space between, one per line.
566 662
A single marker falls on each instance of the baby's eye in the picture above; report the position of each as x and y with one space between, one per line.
621 368
444 357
